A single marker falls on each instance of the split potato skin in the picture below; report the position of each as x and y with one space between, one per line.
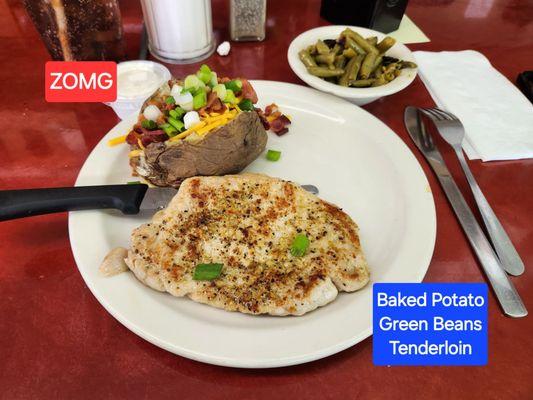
225 150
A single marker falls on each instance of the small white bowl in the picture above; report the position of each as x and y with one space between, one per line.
131 102
359 96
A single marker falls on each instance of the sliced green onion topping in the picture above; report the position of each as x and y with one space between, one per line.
199 100
177 113
230 97
235 85
170 100
192 81
214 79
176 124
207 272
221 91
204 74
205 68
273 155
148 124
168 129
246 105
299 246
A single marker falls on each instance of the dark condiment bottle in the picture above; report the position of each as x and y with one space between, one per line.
380 15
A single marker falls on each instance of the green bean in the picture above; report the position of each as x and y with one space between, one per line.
336 49
367 47
322 72
407 64
311 49
389 76
390 68
362 82
328 59
377 63
349 53
354 46
367 65
306 58
321 47
385 44
351 70
340 61
373 40
380 81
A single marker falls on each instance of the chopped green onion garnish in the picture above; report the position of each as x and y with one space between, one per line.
235 85
205 68
204 74
134 183
207 272
148 124
299 246
246 105
230 97
221 91
176 124
199 100
170 100
168 129
177 113
214 79
273 155
192 81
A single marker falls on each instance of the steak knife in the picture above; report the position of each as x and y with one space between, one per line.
504 289
130 199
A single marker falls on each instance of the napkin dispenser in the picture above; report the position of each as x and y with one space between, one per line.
380 15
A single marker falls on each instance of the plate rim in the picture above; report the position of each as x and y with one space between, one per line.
242 362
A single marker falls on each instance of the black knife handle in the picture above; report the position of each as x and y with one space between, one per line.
29 202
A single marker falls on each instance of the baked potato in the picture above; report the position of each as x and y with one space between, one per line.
220 137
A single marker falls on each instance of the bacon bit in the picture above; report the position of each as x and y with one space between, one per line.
270 109
132 137
263 119
248 91
282 132
153 137
278 125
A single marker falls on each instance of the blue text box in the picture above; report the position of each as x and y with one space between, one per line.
430 324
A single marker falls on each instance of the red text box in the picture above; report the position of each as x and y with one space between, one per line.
80 81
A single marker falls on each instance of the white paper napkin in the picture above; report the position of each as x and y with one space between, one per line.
497 117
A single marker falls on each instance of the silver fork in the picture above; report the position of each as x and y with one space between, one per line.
452 131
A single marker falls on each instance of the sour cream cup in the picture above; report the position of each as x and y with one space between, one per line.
136 81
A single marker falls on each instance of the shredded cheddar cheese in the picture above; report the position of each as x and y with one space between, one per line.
187 132
140 144
135 153
117 140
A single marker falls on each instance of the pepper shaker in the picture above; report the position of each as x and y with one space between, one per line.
247 20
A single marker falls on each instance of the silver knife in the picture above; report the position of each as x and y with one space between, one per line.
504 289
130 199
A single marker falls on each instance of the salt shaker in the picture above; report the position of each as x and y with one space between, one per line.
179 31
247 20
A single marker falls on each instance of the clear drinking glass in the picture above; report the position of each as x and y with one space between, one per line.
79 30
179 31
247 20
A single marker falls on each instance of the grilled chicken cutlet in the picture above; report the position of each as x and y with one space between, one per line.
248 223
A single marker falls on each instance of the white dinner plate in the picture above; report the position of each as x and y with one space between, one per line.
357 163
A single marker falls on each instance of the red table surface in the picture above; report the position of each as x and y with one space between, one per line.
57 341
